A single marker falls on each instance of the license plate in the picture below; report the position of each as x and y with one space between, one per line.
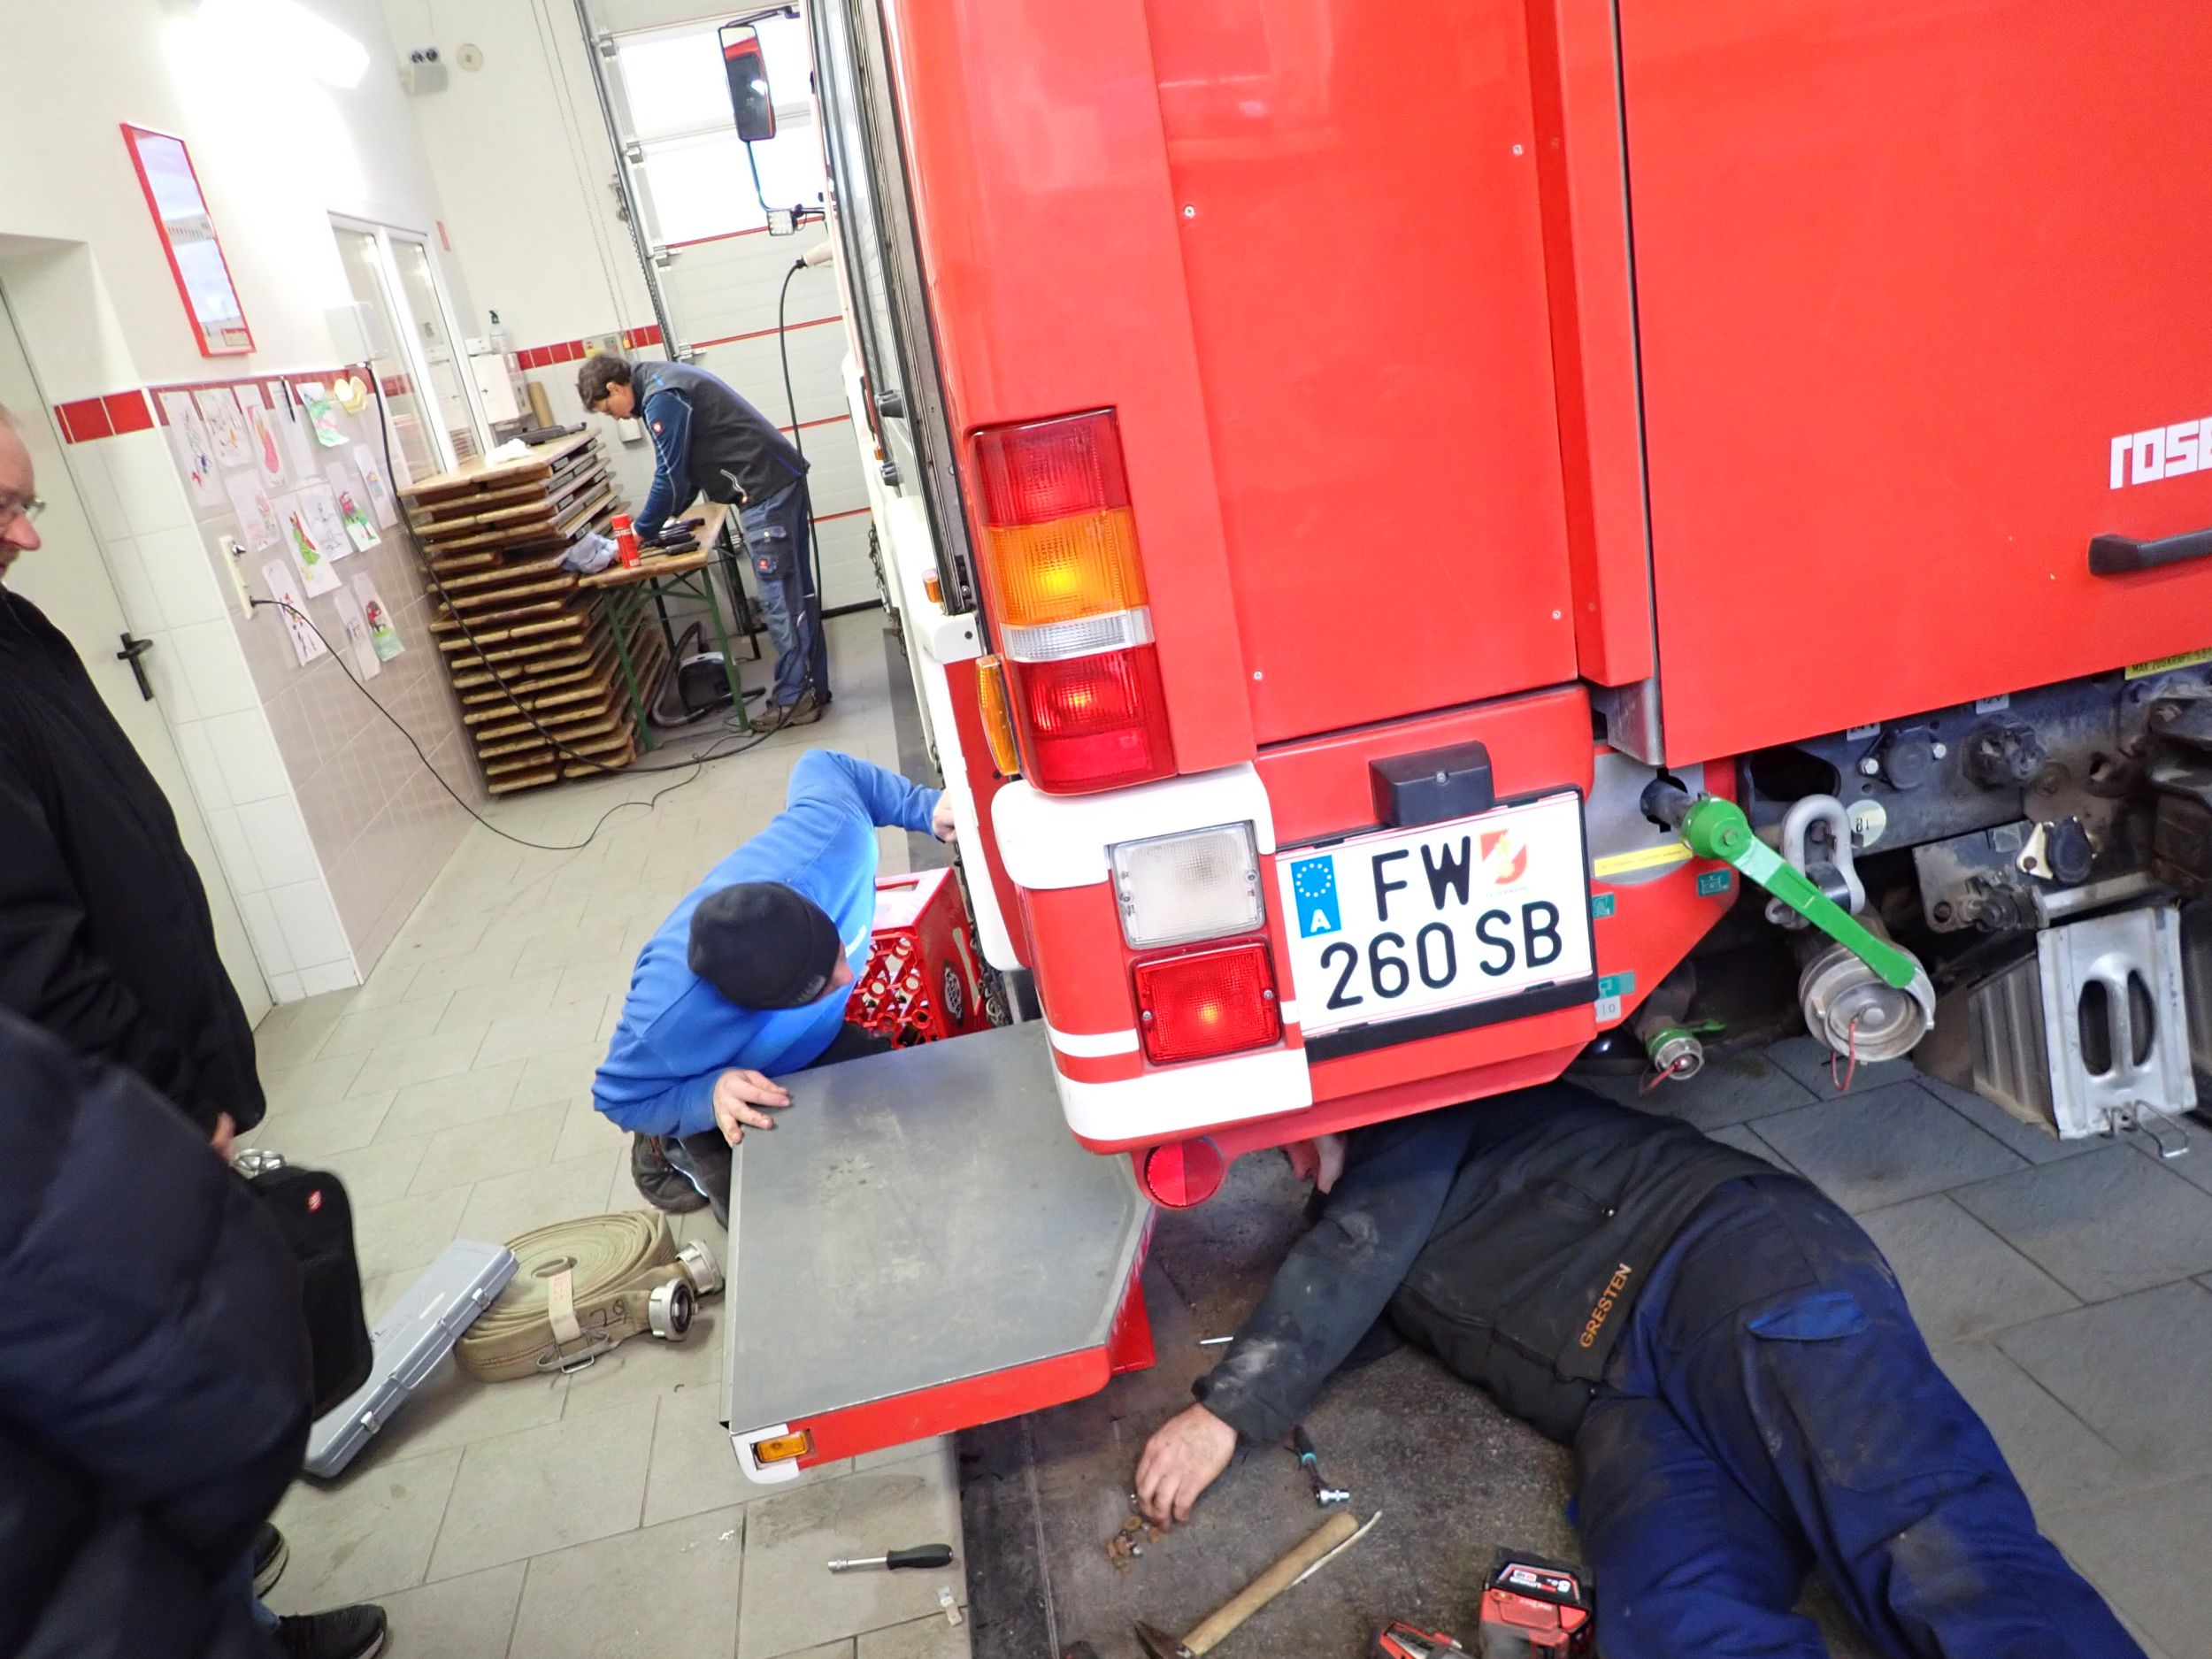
1407 922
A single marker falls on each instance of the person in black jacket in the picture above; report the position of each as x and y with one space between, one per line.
1726 1351
154 1376
105 938
708 440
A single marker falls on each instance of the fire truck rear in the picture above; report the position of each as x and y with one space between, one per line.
1412 523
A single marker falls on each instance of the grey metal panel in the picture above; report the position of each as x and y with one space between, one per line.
917 1218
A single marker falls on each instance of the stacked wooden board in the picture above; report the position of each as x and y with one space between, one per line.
530 652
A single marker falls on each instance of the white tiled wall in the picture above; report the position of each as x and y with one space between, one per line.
172 595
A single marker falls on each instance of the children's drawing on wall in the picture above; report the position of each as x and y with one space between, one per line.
284 588
366 664
382 634
324 522
257 518
322 413
350 492
226 428
193 450
316 575
380 501
261 437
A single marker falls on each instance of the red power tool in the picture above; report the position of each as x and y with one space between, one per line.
1402 1640
1534 1607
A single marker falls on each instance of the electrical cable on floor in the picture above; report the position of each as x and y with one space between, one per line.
696 765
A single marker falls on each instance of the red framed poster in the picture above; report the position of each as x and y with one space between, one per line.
187 236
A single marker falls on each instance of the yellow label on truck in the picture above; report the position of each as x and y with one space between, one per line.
1642 858
2167 665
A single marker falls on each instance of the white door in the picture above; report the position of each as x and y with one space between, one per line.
68 579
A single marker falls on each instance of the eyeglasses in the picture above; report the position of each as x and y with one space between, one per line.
27 509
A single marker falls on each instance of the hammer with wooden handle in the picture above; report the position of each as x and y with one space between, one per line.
1209 1632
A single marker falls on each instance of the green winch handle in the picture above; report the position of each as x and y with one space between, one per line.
1717 829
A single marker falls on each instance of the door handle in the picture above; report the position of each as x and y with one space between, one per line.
133 650
2122 555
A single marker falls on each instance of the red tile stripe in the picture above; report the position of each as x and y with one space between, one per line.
85 419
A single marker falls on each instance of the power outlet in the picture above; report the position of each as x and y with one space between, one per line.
234 567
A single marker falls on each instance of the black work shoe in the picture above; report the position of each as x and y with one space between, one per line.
346 1632
663 1185
270 1553
705 1161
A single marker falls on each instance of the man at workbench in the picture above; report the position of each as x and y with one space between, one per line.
708 439
749 977
1726 1351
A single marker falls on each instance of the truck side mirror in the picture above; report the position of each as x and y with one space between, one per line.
747 72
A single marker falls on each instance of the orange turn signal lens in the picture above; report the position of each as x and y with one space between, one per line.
1066 570
782 1448
998 716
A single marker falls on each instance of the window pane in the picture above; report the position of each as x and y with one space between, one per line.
439 358
418 451
676 84
700 187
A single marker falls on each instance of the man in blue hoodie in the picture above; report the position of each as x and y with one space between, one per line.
749 975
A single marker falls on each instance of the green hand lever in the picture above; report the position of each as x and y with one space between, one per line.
1717 829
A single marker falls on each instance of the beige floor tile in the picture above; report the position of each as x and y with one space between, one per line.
459 1618
693 1468
933 1638
546 1489
562 1075
587 1131
377 1173
486 965
364 1536
289 1033
313 1083
664 1592
589 981
507 1206
407 1233
789 1538
828 1650
468 1097
454 1408
476 1151
421 1060
305 1133
388 983
522 1036
517 993
365 1029
453 937
646 1368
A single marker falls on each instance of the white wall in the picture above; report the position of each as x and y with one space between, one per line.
277 151
525 171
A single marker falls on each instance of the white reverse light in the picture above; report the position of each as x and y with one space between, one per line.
1175 889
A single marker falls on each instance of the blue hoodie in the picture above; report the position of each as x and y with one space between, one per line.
678 1032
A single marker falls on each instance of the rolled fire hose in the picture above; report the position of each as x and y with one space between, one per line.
581 1287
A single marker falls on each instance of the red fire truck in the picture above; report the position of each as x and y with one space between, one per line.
1404 516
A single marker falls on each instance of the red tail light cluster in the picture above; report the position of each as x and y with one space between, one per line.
1208 1003
1068 595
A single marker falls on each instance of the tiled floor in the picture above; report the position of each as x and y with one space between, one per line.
2067 1287
600 1514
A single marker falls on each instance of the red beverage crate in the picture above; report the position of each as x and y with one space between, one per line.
922 981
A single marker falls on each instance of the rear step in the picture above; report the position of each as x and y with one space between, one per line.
921 1247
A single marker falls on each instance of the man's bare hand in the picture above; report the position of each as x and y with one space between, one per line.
1185 1456
225 1132
940 823
739 1097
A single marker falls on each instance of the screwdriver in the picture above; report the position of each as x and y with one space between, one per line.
920 1555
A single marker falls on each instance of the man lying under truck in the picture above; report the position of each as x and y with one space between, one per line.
1726 1350
749 976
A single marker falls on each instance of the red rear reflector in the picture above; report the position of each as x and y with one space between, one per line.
1051 469
1092 722
1207 1003
1183 1173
